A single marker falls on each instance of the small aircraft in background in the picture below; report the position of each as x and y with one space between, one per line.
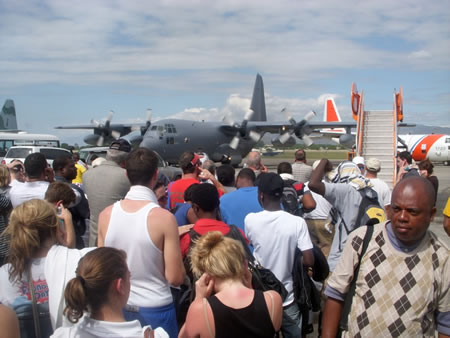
435 147
8 120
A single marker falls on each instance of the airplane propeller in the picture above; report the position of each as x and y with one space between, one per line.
148 122
300 129
136 139
242 130
105 129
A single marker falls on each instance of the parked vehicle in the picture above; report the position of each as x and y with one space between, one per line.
21 152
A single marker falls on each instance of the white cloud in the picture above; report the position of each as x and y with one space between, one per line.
420 54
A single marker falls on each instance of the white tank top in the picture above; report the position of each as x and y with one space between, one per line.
128 231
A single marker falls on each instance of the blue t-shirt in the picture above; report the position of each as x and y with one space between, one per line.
236 205
181 213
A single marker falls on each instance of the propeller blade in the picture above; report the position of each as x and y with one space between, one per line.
307 140
95 122
248 115
228 120
115 134
310 115
286 114
110 116
284 137
234 142
255 136
149 115
100 141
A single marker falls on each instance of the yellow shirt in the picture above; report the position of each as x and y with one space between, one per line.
446 211
80 171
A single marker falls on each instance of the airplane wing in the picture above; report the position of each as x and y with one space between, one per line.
277 127
122 128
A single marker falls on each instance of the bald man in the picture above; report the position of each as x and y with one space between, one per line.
403 284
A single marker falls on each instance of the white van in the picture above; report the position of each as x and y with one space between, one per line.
21 152
8 140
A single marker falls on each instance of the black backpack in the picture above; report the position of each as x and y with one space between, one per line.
291 198
370 211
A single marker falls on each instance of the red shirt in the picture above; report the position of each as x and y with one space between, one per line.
177 189
202 226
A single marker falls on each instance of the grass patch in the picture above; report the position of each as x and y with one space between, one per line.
312 155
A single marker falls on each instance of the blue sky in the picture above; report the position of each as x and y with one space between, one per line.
67 62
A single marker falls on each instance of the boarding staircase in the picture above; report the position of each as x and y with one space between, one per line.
377 137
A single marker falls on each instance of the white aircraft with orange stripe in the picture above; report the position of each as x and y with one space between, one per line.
435 147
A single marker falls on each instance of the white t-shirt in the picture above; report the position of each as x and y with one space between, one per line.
14 294
91 328
383 191
60 267
27 191
322 209
274 236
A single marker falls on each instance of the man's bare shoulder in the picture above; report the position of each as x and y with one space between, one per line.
107 210
161 214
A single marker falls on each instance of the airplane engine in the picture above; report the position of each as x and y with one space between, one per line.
277 143
347 140
91 139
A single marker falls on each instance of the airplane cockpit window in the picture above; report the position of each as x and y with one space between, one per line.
154 127
170 128
160 128
447 140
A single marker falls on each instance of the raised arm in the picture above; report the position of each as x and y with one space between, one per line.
67 232
315 182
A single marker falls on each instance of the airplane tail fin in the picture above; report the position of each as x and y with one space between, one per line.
330 112
258 104
8 119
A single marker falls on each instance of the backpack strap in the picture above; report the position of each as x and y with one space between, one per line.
235 233
343 324
205 313
37 327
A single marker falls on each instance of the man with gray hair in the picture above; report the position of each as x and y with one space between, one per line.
254 162
106 184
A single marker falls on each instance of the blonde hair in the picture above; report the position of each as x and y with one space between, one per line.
5 177
31 224
88 291
218 256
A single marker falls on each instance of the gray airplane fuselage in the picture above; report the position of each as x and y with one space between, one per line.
171 137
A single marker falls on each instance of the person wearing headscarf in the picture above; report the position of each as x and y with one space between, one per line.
344 188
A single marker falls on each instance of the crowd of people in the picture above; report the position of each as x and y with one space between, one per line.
116 250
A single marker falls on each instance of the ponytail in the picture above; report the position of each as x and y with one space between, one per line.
88 291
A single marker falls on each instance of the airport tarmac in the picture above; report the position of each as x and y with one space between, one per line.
443 174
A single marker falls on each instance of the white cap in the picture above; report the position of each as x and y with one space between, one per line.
358 160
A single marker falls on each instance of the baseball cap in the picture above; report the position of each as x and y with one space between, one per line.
373 164
358 160
270 184
121 144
